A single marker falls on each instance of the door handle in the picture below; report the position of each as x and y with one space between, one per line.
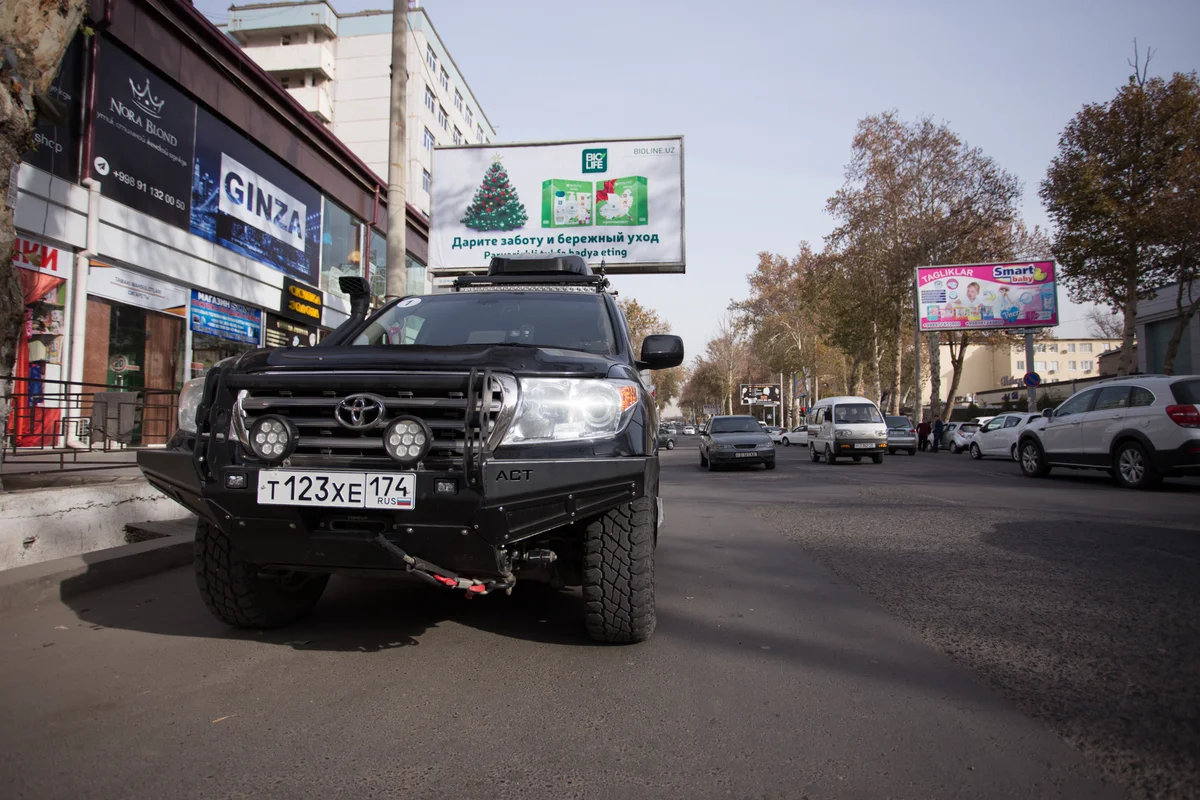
1075 422
1116 416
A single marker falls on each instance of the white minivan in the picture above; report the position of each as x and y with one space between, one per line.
846 427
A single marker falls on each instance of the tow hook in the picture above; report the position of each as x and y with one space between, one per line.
444 577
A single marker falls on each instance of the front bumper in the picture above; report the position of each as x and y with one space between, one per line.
467 532
860 447
737 457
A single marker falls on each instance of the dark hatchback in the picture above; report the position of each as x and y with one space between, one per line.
735 440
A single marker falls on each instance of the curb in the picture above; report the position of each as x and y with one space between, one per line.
26 588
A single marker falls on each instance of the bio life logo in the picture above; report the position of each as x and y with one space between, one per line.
261 204
595 159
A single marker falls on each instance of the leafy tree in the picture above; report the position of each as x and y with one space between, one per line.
642 322
33 38
1122 192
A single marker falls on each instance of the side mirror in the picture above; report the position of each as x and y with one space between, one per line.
1048 413
661 351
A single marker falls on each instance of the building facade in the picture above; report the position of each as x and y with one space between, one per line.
1157 317
188 210
1056 360
338 66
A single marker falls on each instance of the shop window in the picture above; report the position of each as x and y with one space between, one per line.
341 247
378 261
416 275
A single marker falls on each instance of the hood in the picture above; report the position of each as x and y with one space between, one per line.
740 438
521 360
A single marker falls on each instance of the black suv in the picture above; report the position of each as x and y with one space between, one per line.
499 431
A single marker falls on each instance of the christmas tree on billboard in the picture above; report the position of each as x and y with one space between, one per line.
496 206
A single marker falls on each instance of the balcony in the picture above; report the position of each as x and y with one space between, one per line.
315 100
316 58
247 22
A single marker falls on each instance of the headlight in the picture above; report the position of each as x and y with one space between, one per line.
273 438
767 446
407 440
844 434
883 433
566 409
189 401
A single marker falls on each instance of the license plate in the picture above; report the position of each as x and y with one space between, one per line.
395 491
864 446
744 455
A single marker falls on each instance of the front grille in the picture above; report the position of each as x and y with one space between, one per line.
746 446
467 413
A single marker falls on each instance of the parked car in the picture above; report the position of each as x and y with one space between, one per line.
999 436
846 427
666 439
901 435
689 430
948 429
797 435
961 441
1140 428
735 440
776 434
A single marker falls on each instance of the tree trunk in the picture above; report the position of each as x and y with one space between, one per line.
1127 365
1184 316
34 35
935 375
876 357
956 365
898 376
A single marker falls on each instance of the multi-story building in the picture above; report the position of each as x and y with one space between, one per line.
338 66
1055 360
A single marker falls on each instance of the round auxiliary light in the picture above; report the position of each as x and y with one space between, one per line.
407 439
273 438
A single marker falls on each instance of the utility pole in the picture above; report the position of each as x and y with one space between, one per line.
397 245
1030 358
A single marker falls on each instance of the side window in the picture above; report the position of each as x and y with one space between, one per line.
1140 398
1112 398
1079 404
1012 422
995 424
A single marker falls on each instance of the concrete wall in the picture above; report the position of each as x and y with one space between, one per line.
43 524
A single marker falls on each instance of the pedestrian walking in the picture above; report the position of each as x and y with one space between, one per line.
923 435
938 430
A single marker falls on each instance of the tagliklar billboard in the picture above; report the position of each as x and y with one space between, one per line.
615 202
1019 294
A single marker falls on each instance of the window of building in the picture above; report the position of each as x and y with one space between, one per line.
416 275
430 58
445 79
285 39
1071 365
426 180
443 120
470 119
1086 366
458 103
1020 365
341 247
428 142
285 82
479 132
1107 346
457 135
1086 347
1071 347
1054 366
1039 348
1039 365
430 100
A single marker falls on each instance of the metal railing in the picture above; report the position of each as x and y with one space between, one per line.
65 426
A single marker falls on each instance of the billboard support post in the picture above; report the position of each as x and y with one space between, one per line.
397 246
918 414
1030 355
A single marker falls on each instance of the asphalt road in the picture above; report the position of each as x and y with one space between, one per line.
787 662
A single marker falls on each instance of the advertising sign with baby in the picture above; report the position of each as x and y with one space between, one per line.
1019 294
617 203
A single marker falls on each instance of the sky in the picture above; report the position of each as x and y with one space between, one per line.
767 96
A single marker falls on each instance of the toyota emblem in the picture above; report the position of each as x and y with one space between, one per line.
359 412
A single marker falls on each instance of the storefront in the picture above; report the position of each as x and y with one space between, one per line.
35 418
298 321
221 328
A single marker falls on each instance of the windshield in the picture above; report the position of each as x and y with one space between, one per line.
736 425
856 414
543 319
898 422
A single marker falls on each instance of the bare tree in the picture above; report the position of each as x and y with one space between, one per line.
1105 323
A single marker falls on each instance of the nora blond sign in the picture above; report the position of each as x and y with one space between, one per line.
618 203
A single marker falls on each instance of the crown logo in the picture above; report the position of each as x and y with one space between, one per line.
143 99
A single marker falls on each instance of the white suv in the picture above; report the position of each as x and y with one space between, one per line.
1140 428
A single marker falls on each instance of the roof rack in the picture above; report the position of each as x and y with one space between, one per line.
536 272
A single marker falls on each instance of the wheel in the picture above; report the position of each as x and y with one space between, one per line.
770 465
1134 469
813 455
891 452
830 458
618 573
912 451
786 443
1033 460
703 460
670 444
976 453
711 466
857 459
877 458
1013 452
242 594
954 449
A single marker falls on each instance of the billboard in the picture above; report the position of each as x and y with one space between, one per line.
616 202
55 146
1019 294
760 394
225 319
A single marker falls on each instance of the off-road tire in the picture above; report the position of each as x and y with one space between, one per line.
236 592
618 573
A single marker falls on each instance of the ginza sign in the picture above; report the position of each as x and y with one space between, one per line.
261 204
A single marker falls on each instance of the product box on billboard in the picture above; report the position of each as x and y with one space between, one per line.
621 201
566 204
